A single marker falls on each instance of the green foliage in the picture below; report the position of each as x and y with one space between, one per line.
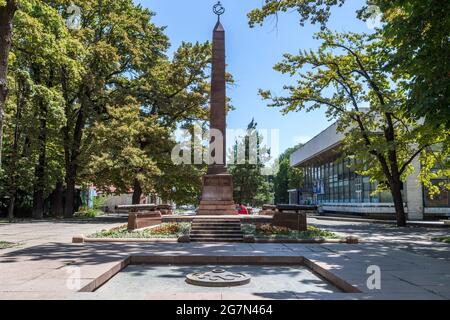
287 177
87 213
251 186
415 34
99 104
418 33
134 142
365 99
36 104
99 202
347 76
309 10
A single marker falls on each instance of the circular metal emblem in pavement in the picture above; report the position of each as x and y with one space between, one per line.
217 278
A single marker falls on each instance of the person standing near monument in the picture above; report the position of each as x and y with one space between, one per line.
242 209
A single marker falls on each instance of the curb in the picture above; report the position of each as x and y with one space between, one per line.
441 224
83 239
347 240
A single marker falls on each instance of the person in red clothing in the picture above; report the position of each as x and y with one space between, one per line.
242 209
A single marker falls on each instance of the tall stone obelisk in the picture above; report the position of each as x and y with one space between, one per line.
217 194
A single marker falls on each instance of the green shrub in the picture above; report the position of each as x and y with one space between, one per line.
99 202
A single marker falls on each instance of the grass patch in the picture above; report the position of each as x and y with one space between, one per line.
6 245
271 232
165 230
442 239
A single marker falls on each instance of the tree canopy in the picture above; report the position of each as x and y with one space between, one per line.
286 177
346 76
97 102
417 33
249 158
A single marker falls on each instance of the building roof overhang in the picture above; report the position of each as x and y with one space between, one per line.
320 148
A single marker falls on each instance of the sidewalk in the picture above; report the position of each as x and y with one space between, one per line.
43 271
36 232
412 267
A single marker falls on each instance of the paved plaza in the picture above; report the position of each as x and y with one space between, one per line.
43 266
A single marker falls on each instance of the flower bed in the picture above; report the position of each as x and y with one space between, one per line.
165 230
271 232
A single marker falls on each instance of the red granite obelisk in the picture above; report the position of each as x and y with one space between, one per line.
217 194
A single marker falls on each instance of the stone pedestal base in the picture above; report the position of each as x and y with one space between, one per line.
143 220
217 195
291 220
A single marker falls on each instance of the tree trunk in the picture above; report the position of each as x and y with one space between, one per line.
39 185
38 204
12 203
38 196
69 201
56 209
15 156
72 157
6 18
396 191
395 181
137 192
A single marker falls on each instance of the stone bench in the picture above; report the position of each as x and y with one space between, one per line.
137 207
292 220
165 209
292 216
268 210
297 208
144 219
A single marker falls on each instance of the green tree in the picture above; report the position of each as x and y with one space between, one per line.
418 32
347 76
7 11
286 177
176 93
72 87
121 43
309 10
41 46
169 94
415 31
251 186
116 156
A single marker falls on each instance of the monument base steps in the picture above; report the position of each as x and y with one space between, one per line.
216 230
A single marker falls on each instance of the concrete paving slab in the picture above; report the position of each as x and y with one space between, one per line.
412 266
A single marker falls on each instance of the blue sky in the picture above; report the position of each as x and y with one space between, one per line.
251 55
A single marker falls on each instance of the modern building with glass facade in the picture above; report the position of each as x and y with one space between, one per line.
331 182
